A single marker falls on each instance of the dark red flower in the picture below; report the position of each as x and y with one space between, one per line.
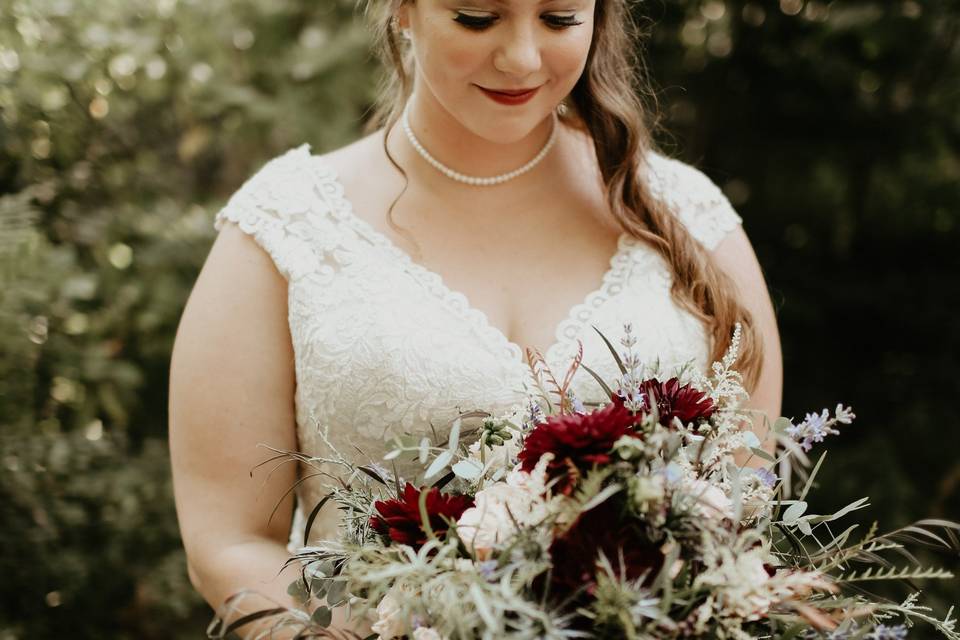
604 528
400 519
577 442
671 399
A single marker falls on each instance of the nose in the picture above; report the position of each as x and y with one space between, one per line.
519 54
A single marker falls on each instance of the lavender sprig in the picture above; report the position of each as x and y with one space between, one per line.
628 385
815 427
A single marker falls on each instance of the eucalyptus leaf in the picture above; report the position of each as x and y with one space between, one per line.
750 439
762 453
438 464
794 511
319 586
322 616
781 424
468 469
454 440
853 506
424 449
297 591
327 568
336 593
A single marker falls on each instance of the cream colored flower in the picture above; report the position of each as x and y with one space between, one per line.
390 623
463 564
426 633
744 589
741 584
484 525
519 497
711 501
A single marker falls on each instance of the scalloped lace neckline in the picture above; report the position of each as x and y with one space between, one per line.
565 332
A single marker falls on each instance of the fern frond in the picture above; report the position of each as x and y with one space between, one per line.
895 573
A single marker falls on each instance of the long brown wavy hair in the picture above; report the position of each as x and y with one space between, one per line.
610 101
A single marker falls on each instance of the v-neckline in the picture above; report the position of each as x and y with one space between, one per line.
565 331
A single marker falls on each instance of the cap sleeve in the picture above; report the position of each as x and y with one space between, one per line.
697 201
275 207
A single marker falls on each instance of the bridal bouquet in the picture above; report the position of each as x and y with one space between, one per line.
629 520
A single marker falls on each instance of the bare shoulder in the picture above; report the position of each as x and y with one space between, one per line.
736 256
369 180
356 157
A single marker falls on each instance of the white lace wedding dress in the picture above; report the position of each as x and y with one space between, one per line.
383 347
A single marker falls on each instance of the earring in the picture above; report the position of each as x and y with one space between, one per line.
562 109
395 24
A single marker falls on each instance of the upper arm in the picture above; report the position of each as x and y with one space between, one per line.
231 388
735 256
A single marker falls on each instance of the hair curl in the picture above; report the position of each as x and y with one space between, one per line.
610 102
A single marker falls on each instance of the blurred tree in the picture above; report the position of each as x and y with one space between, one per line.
834 128
123 124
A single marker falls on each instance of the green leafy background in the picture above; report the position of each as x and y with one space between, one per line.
834 128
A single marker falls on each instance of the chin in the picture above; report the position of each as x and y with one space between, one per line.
506 129
507 134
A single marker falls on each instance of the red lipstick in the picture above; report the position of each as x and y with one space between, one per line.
512 97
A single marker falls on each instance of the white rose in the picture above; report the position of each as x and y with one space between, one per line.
711 501
517 497
390 624
488 522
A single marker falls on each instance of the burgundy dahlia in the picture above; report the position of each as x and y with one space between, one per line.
604 528
671 399
577 442
400 518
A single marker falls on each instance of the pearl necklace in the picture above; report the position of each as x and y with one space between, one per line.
473 180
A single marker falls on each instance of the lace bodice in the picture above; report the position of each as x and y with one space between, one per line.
382 346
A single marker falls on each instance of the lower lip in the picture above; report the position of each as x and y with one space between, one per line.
503 98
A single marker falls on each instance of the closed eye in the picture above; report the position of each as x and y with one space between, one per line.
474 22
478 23
562 22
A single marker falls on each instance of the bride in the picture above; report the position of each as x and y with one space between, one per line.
507 195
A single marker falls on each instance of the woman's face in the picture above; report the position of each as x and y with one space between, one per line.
463 45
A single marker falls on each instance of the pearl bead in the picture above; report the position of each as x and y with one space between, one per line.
473 180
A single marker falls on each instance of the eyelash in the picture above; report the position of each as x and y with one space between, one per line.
557 23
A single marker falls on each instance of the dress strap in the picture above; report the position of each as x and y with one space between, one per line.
282 208
699 203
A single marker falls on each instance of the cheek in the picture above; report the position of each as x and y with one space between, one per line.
449 54
569 58
579 49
